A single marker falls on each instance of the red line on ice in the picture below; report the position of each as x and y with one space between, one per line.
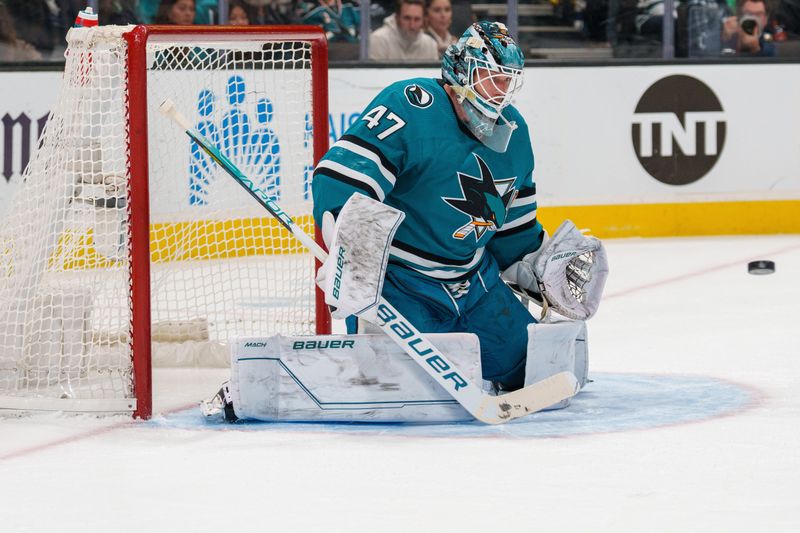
81 436
697 273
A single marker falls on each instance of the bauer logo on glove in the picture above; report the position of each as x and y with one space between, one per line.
567 273
572 269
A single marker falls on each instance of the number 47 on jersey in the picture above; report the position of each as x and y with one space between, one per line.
374 117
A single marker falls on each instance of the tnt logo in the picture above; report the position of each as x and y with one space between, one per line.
678 130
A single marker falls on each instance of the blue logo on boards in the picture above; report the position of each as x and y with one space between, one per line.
252 146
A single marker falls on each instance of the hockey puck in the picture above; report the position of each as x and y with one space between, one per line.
761 267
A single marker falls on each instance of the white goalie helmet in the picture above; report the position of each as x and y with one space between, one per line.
485 70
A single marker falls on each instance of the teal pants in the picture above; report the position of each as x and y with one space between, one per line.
484 306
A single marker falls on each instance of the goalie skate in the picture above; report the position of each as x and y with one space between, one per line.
220 405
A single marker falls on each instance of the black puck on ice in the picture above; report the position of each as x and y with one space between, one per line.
761 267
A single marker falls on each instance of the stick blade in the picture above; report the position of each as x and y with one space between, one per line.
528 400
166 106
168 109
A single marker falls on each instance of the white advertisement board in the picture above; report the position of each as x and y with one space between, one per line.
25 101
664 134
601 135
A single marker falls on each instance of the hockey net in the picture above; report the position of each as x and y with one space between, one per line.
125 245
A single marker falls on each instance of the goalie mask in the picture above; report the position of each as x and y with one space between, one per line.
484 69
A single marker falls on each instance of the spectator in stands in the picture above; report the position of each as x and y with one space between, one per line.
238 13
147 10
650 16
119 12
35 22
438 19
68 11
271 12
401 37
180 12
339 18
11 48
787 15
205 12
745 33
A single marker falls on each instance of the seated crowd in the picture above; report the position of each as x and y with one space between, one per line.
712 28
420 30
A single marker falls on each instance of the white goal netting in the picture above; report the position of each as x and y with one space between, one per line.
219 265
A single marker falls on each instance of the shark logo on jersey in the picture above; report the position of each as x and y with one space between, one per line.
417 96
485 201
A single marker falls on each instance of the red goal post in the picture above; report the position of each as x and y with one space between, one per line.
117 193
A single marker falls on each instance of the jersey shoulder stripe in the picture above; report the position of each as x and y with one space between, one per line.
354 156
433 269
519 225
525 197
522 202
339 172
527 191
358 141
438 275
524 219
428 258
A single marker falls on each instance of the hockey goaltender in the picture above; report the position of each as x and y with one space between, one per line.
428 207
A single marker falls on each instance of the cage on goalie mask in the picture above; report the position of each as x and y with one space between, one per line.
485 58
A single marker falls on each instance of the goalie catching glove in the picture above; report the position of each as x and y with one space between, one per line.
567 273
352 275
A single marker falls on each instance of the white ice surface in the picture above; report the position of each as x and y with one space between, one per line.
675 308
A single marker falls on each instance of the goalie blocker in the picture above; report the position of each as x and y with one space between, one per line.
368 378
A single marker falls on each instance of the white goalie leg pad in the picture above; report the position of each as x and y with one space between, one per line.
557 347
352 276
345 378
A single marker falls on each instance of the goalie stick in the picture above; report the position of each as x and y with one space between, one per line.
483 406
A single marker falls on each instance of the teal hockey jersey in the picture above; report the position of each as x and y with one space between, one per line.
463 201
